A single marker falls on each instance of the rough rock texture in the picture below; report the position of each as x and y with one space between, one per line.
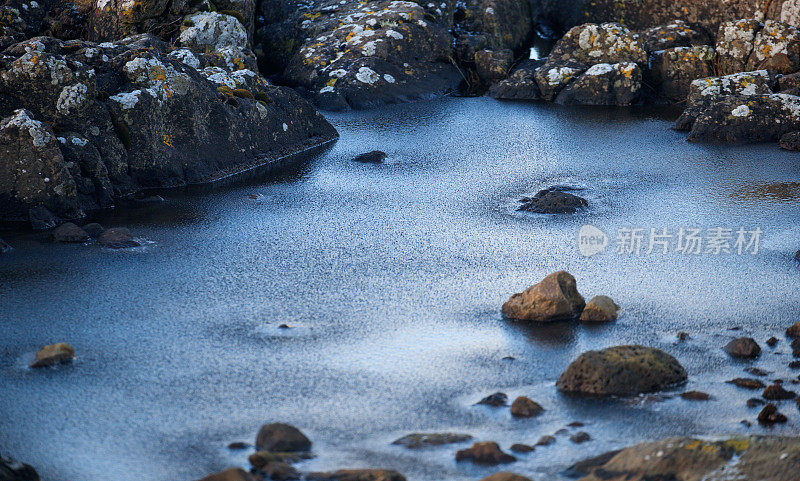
735 41
776 392
69 232
364 54
524 407
553 200
493 65
604 84
743 347
130 115
747 383
520 85
280 437
673 70
232 474
621 371
357 475
686 459
556 297
790 141
423 440
12 470
770 415
552 77
671 35
488 453
590 44
599 309
54 354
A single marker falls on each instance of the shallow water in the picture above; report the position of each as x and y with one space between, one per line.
392 277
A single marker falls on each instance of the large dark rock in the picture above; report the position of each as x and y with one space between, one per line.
12 470
357 475
423 440
673 70
280 437
672 35
489 25
744 45
757 118
553 200
743 347
117 238
232 474
135 114
617 84
520 85
69 232
556 297
621 371
748 458
790 141
53 354
488 453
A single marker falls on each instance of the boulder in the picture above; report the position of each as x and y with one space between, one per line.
495 400
488 453
580 437
523 407
424 440
553 200
93 229
695 396
363 55
671 35
776 392
552 77
793 331
617 84
232 474
212 31
12 470
758 118
520 85
770 415
357 475
522 448
747 383
790 141
621 371
281 437
590 44
735 43
555 298
673 70
546 440
493 65
743 348
776 48
279 471
374 157
694 459
117 238
53 354
261 459
795 345
134 114
599 309
69 232
505 476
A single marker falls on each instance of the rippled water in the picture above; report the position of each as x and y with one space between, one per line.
392 277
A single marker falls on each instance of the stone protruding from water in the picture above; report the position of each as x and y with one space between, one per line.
621 371
743 348
53 354
553 200
524 407
232 474
488 453
424 440
280 437
505 476
357 475
599 309
555 298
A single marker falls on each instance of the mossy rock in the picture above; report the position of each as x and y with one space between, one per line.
243 94
263 97
621 371
233 13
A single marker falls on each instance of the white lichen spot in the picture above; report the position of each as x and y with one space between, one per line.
285 127
326 89
394 34
71 98
741 111
367 75
600 69
126 100
388 78
21 120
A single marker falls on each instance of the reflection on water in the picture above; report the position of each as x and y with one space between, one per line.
393 276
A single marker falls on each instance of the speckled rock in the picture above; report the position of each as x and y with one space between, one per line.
232 474
599 309
671 35
13 470
693 459
776 48
363 55
488 453
122 111
53 354
590 44
673 70
490 25
493 65
357 475
735 42
790 141
424 440
282 438
520 85
621 371
552 77
604 84
759 118
556 297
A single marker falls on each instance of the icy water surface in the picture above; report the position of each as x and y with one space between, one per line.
392 277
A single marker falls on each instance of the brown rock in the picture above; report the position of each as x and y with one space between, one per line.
770 415
756 371
505 476
673 70
580 437
776 392
743 348
279 471
261 459
747 383
54 354
523 407
485 453
695 396
556 297
621 371
772 341
599 309
232 474
546 440
117 238
493 65
793 331
357 475
281 437
683 336
522 448
422 440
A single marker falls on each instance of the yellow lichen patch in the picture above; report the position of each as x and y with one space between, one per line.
738 444
167 139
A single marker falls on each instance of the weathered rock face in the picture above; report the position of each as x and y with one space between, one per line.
556 297
130 115
600 309
760 118
604 84
490 25
690 459
524 407
743 347
671 35
621 371
362 55
520 85
280 437
590 44
493 65
673 70
54 354
751 45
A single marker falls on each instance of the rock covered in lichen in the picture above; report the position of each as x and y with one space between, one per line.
552 78
755 118
131 114
748 44
520 85
604 84
591 44
673 70
674 34
380 52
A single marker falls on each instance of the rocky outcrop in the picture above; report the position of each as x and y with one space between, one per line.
604 84
553 200
556 297
53 354
671 35
621 371
673 70
130 115
753 457
745 45
280 437
521 84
